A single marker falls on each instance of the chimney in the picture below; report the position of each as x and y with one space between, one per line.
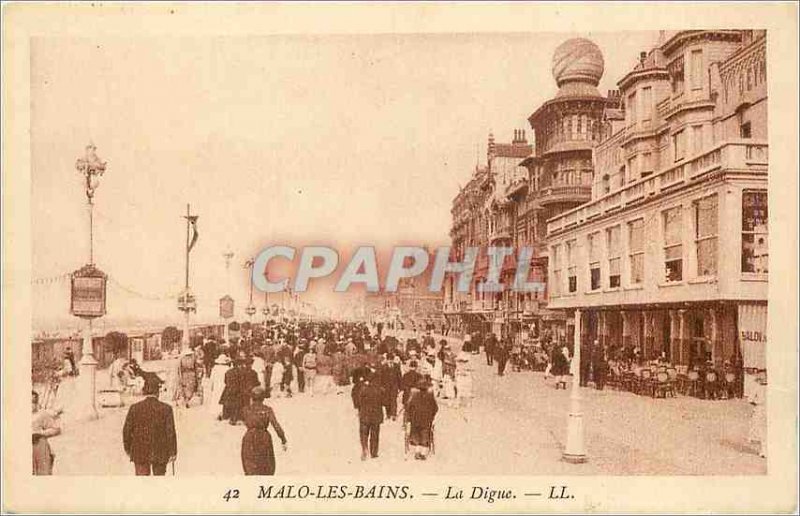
642 57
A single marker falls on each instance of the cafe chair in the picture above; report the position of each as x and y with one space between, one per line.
664 385
711 389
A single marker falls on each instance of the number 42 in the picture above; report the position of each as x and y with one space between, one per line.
232 493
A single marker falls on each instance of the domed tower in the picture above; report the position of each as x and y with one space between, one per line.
566 128
578 67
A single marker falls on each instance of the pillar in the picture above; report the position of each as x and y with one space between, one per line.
87 382
673 336
718 354
626 330
603 329
649 334
575 450
682 340
185 337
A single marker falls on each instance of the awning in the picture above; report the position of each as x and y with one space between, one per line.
753 335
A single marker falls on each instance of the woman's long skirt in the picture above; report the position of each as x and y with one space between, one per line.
258 456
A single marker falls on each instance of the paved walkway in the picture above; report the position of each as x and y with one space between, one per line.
516 425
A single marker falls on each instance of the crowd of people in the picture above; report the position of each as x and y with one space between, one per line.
387 377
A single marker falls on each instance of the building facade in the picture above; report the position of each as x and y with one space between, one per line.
509 202
670 255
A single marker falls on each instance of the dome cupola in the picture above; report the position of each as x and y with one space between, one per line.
578 60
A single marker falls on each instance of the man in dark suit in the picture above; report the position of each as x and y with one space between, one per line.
149 433
489 347
368 400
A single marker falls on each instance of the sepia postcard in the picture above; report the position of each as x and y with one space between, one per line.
400 258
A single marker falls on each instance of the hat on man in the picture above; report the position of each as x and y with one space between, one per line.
151 386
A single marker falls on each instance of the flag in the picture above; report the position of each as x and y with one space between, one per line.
193 222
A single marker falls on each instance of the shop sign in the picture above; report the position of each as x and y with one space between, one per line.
88 293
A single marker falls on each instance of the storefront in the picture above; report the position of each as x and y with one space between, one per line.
685 334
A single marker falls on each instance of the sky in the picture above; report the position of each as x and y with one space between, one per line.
338 140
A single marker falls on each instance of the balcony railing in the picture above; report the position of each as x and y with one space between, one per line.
561 193
486 304
740 155
500 234
456 307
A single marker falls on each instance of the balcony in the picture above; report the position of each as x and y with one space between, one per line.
518 185
670 107
500 234
485 305
578 194
738 155
455 307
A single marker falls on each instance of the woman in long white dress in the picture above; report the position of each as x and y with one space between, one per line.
216 383
115 373
463 379
276 379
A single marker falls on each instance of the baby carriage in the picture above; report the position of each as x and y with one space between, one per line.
407 439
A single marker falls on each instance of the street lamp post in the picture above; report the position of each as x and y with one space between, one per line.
228 255
251 308
186 302
88 286
575 450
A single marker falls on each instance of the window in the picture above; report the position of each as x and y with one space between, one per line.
647 103
555 289
697 139
620 181
636 250
755 251
632 169
647 164
572 270
705 216
676 73
678 145
745 131
673 250
632 108
697 69
606 184
594 261
613 243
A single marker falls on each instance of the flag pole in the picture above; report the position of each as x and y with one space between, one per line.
188 212
185 340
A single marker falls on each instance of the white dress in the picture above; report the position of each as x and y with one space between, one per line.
276 378
216 385
259 367
464 381
114 371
